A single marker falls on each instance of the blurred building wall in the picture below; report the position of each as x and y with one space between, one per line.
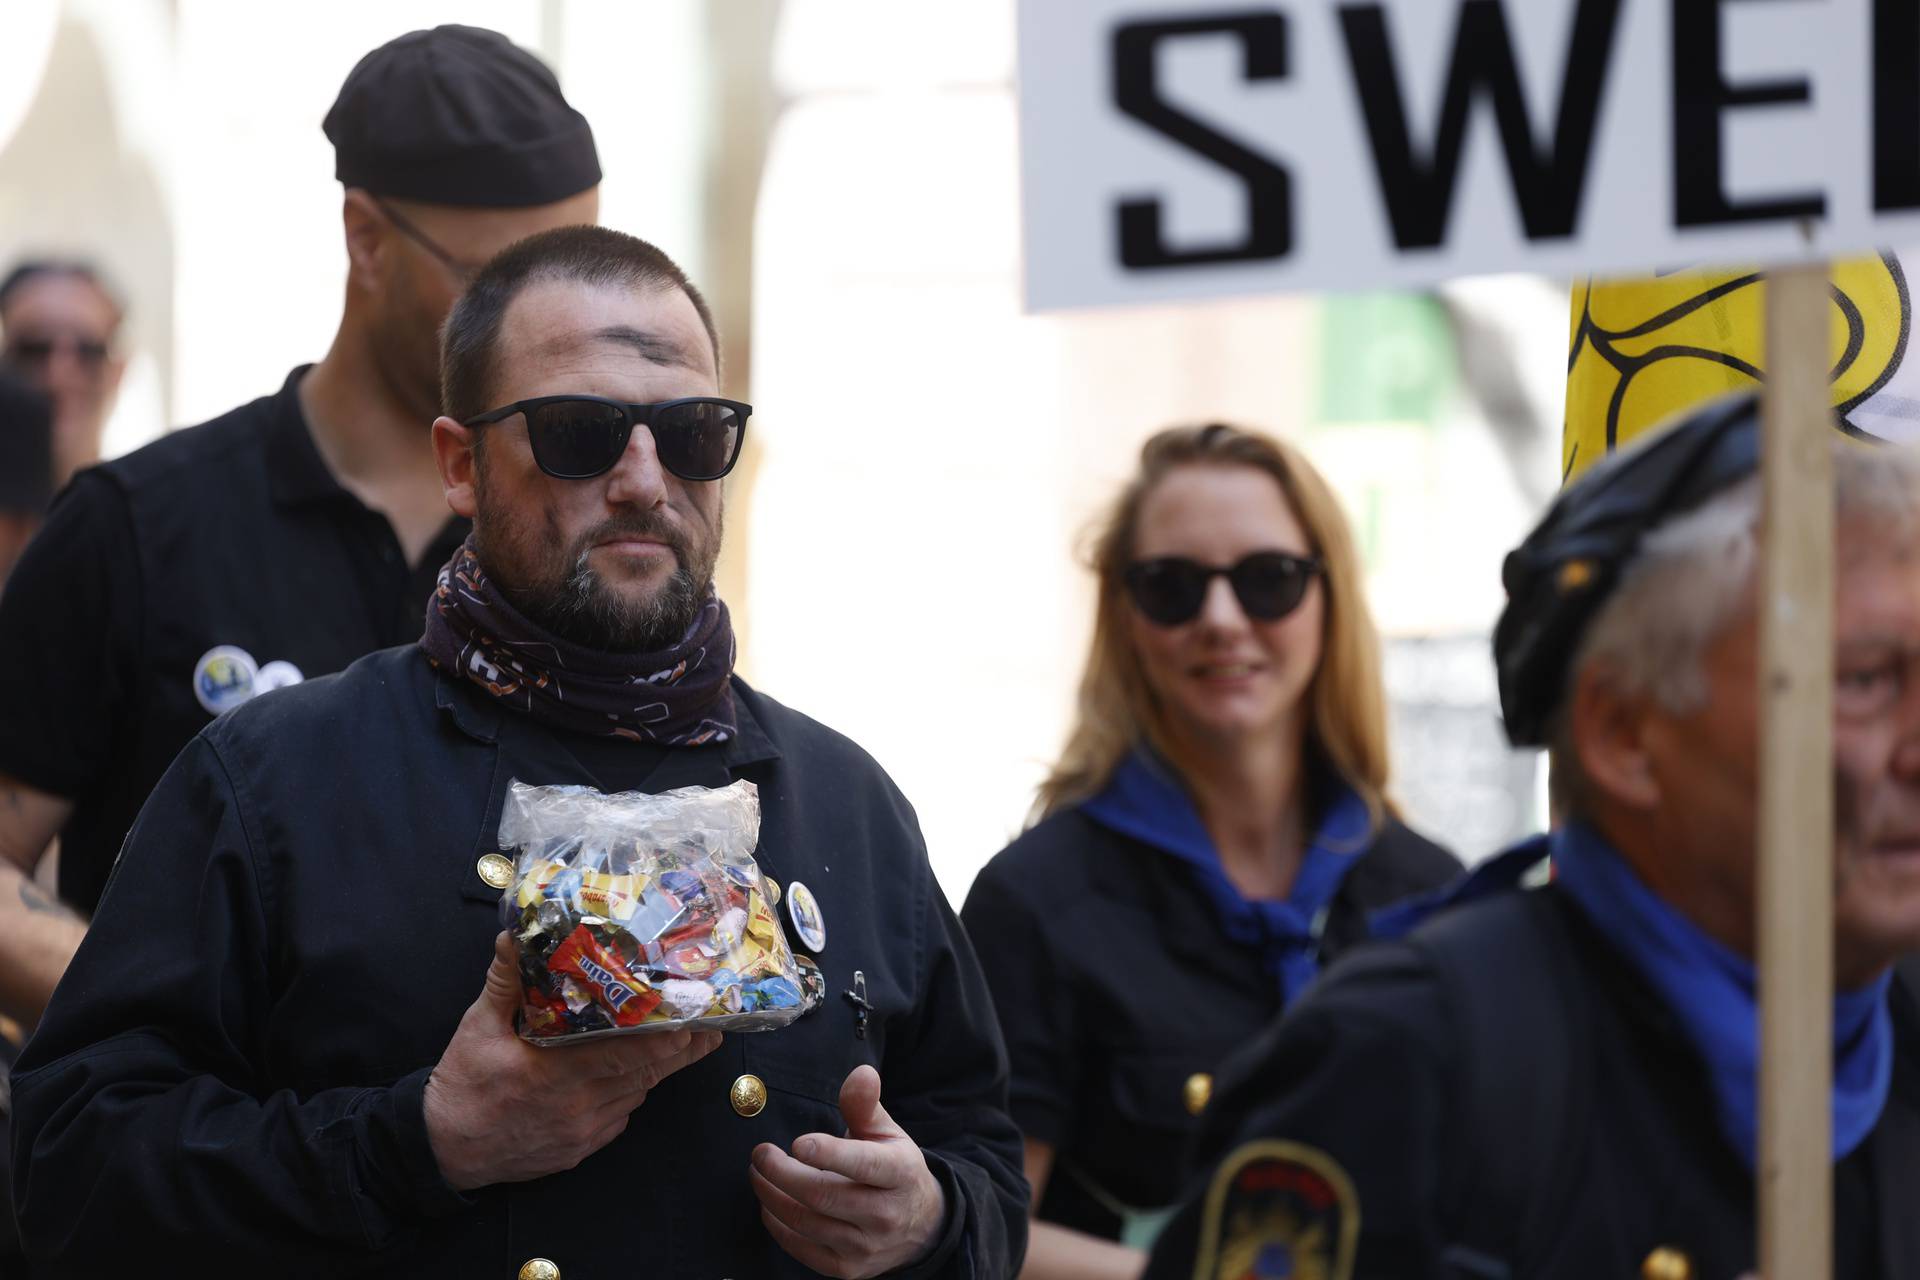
932 455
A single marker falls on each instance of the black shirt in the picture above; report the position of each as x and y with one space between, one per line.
1377 1073
236 1059
231 533
1116 985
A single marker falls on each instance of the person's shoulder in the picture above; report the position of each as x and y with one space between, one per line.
800 738
1394 987
1410 985
1400 863
1057 850
341 708
1378 1011
234 439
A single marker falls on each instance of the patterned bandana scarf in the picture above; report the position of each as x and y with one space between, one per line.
678 697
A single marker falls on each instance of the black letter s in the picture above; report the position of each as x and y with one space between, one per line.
1269 231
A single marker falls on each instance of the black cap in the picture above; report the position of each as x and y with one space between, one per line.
1560 576
460 116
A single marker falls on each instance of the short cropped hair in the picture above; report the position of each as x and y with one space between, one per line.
588 255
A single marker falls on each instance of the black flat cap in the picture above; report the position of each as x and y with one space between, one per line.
460 116
1560 576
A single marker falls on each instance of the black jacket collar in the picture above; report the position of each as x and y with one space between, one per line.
296 473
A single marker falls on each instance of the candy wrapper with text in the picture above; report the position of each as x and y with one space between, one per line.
634 912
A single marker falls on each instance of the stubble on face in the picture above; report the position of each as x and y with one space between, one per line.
552 582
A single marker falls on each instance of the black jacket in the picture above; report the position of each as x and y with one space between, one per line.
1117 985
235 1062
1606 1148
229 534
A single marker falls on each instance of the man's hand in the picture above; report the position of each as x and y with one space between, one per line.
855 1206
500 1110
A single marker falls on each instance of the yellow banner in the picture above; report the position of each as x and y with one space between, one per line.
1641 350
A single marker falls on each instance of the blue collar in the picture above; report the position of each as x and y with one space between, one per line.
1711 991
1145 801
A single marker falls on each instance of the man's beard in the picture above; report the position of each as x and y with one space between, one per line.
583 609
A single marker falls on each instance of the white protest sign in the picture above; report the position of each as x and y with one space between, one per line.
1192 148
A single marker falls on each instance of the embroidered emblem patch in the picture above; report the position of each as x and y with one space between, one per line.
1279 1211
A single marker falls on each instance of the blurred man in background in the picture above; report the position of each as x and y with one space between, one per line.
294 534
26 467
60 330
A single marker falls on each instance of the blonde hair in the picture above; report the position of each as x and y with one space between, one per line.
1347 725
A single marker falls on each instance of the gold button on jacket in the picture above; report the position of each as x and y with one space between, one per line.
539 1269
1198 1091
1666 1264
497 870
749 1095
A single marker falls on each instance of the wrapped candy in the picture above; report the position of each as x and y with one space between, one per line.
636 913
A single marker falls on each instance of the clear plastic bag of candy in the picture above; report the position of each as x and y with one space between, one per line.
634 912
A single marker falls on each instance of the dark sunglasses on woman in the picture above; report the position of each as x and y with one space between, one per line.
1269 585
579 437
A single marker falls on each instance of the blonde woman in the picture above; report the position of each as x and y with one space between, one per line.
1216 830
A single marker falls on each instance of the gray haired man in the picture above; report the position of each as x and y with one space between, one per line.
1561 1081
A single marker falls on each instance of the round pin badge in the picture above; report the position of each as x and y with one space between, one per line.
805 913
277 674
812 981
225 677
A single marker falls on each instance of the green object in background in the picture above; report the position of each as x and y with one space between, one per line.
1139 1228
1384 357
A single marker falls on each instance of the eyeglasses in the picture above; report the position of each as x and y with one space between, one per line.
1171 589
38 352
579 437
461 271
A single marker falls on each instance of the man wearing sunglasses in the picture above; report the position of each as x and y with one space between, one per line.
294 1011
60 331
292 535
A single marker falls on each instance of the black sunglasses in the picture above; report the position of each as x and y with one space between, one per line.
579 437
1270 585
35 352
461 271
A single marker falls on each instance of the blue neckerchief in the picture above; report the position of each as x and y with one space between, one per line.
1712 992
1145 802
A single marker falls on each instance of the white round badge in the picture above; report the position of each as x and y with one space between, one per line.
277 674
225 677
805 913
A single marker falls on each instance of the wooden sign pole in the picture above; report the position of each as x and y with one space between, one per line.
1795 1182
